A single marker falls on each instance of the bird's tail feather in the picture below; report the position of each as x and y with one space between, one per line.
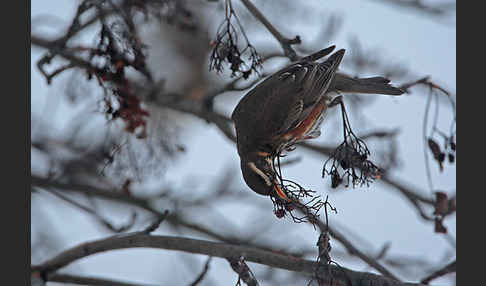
376 85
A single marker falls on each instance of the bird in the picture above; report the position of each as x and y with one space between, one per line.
288 107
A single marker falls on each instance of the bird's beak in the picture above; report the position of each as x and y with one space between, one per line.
280 192
277 188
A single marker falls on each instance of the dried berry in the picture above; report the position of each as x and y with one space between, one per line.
453 146
289 207
336 180
434 147
451 158
441 157
279 213
441 203
439 227
344 164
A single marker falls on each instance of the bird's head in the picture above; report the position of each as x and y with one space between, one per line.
259 174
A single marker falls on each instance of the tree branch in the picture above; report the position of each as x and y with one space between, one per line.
413 196
104 222
349 246
93 191
215 249
82 280
440 9
284 42
54 47
449 268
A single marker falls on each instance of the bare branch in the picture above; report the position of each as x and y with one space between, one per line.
93 213
203 273
354 251
215 249
449 268
54 48
177 220
93 191
156 223
413 196
440 9
286 43
83 280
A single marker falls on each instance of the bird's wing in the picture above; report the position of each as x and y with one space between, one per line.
285 99
311 80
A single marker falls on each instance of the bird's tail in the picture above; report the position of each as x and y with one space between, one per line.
376 85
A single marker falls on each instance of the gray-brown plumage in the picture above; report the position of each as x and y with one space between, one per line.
286 108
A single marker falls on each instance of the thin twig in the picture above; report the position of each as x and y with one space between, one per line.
156 223
98 217
244 272
284 42
93 191
203 273
440 9
352 249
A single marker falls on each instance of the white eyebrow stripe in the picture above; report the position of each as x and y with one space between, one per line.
260 173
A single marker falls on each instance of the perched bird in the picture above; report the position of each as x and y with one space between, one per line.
287 108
